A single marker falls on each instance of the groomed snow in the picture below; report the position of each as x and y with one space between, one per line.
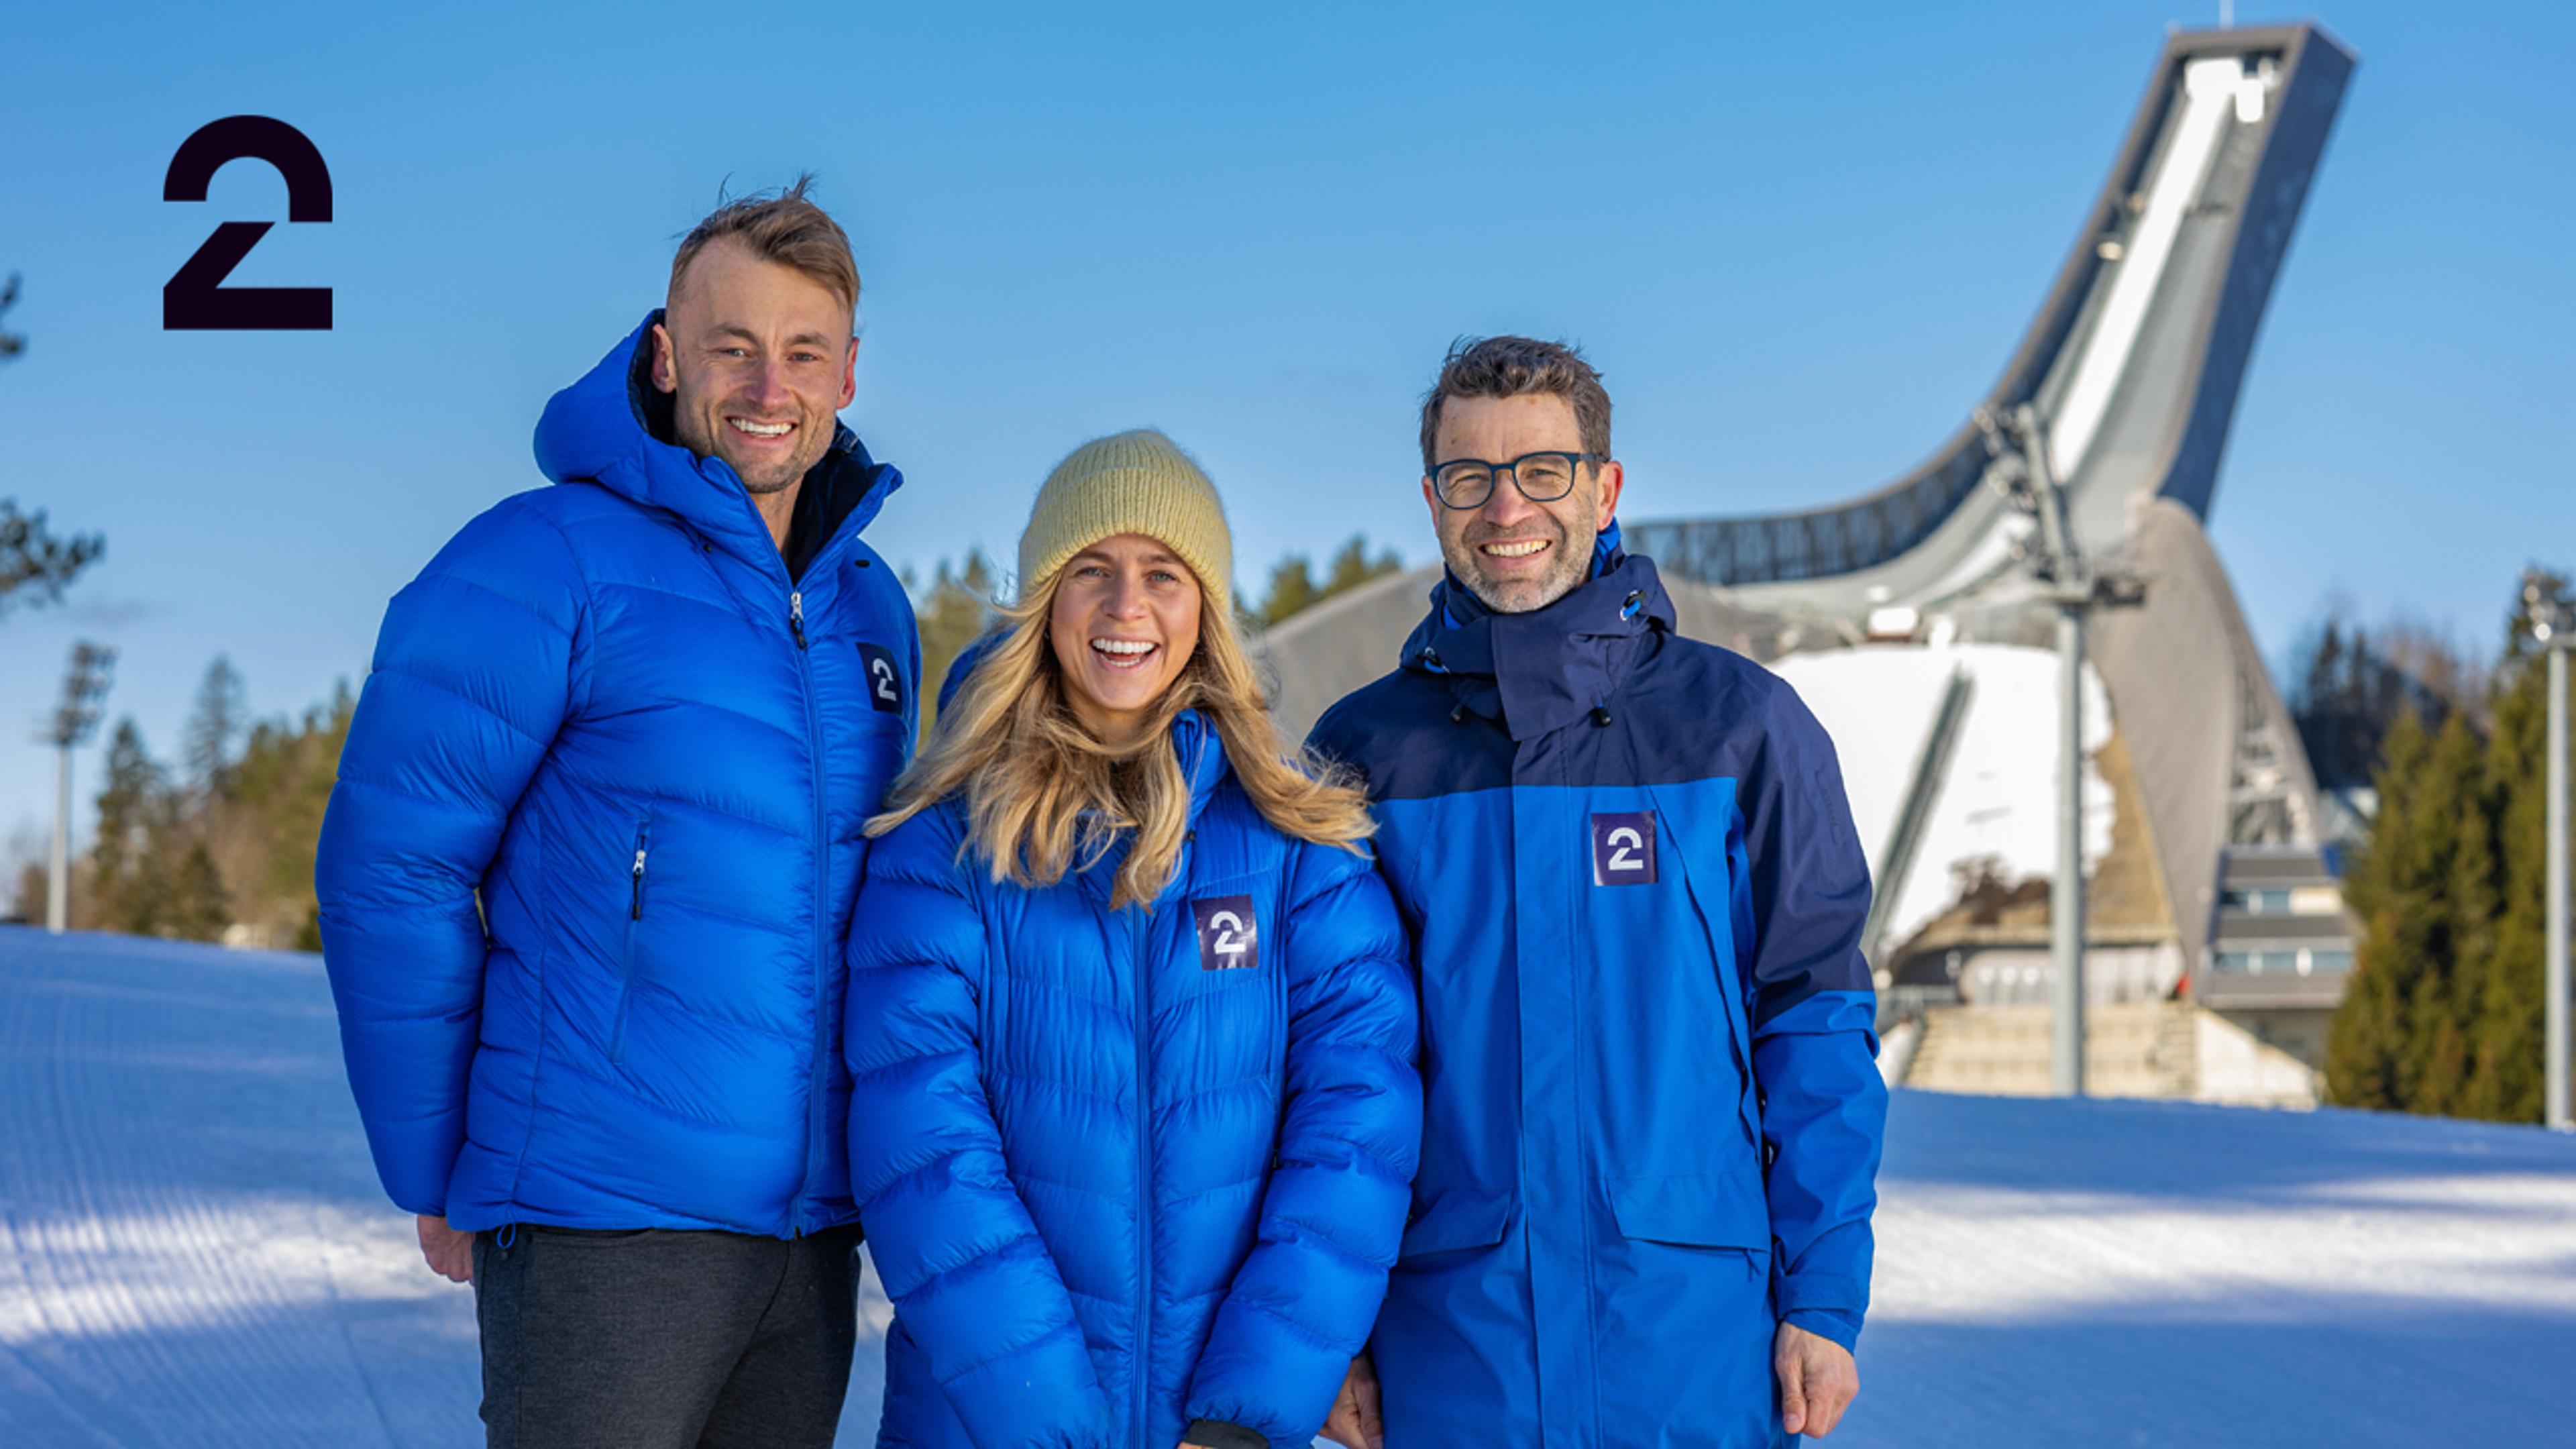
193 1251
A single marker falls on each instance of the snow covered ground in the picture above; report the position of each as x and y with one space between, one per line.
193 1251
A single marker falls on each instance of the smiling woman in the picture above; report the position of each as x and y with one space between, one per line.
1125 618
1069 1263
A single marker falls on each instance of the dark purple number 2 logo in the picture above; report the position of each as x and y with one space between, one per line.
195 299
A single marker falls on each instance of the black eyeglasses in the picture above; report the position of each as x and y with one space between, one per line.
1541 477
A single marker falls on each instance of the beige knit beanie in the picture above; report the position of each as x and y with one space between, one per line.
1136 482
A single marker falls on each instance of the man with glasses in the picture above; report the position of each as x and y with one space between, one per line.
1653 1115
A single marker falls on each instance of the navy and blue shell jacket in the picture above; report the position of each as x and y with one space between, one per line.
1653 1114
607 715
1129 1174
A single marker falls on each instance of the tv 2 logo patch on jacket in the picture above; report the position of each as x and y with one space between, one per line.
885 678
1623 848
1229 938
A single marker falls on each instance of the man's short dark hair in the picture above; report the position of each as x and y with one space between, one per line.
1513 367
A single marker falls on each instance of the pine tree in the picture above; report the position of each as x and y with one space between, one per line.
2443 1010
1353 566
1292 588
2511 997
2454 984
132 809
198 907
957 607
216 727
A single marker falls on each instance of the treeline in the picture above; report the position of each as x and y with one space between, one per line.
218 844
2443 1014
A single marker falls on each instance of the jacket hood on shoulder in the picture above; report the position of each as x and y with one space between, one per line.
613 428
1542 670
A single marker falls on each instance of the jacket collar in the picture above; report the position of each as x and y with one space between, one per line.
1543 670
612 428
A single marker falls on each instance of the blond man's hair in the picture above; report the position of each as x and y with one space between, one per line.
1044 796
785 227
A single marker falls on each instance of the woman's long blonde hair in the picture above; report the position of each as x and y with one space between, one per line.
1044 795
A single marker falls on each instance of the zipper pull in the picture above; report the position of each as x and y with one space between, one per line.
636 912
796 616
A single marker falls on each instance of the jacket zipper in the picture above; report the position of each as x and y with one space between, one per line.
816 1086
634 915
1144 1173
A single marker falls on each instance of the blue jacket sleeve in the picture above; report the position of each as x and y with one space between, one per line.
1333 1213
1801 897
472 677
973 1285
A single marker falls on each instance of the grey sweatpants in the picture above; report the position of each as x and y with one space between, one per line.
660 1339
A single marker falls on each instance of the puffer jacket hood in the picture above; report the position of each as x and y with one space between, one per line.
1629 868
587 871
1130 1177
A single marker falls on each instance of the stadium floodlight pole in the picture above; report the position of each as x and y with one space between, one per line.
2072 592
2554 625
2027 475
84 692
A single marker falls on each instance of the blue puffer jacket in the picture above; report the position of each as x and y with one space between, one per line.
606 710
1653 1118
1126 1171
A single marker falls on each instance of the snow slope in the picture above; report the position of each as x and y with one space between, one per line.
1999 798
193 1251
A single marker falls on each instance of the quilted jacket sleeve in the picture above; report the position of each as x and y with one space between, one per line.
1801 897
1333 1214
472 677
973 1285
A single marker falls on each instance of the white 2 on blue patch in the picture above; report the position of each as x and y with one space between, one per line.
1229 938
1623 848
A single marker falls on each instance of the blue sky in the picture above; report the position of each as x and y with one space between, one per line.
1799 240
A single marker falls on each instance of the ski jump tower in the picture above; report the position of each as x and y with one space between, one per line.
2133 366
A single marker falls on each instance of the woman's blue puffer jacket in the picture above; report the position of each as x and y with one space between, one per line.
607 717
1125 1171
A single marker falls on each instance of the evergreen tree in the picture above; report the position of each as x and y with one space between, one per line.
2444 1059
2348 688
2509 1078
132 809
216 727
197 907
1353 566
1292 588
36 565
2444 1007
2391 884
957 607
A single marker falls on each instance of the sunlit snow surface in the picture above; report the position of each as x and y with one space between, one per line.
193 1251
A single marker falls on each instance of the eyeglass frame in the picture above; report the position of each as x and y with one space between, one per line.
1494 473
